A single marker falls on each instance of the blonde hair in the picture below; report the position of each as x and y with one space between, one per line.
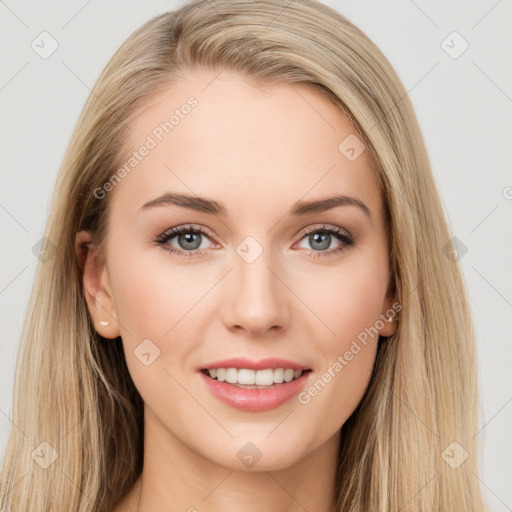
73 389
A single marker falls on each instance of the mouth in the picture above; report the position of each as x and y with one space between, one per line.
251 390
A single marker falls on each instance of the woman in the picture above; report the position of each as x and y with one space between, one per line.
251 301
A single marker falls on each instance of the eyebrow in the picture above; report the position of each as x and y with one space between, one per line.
211 207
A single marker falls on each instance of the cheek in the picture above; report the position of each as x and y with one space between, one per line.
348 298
338 386
152 297
162 302
335 392
151 303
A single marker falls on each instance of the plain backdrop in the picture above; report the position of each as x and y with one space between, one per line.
462 97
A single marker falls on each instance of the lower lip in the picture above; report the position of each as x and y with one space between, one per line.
255 400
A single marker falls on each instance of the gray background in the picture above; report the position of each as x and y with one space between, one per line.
464 106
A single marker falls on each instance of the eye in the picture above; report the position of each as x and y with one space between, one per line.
320 239
188 241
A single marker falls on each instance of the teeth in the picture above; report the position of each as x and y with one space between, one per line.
279 375
264 377
288 375
231 375
247 377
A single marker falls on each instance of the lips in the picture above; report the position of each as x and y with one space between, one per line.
255 400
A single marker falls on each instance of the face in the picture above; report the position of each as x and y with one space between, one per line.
254 270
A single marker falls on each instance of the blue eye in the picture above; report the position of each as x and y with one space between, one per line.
190 240
320 239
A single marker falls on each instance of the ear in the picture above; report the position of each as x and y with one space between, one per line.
97 288
389 316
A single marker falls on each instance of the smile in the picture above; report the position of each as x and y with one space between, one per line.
254 385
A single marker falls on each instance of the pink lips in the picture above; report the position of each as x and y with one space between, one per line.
255 400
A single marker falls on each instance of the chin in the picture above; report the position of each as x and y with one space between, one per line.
257 455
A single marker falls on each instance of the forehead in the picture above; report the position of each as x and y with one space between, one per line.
220 136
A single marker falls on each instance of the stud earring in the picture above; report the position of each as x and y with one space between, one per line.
104 323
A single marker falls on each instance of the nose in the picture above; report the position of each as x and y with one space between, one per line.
257 298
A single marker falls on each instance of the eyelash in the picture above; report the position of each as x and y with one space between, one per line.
346 240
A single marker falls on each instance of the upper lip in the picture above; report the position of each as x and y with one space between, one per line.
262 364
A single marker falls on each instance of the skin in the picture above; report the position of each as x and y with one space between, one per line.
258 152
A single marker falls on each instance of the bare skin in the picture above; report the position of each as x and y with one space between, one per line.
256 152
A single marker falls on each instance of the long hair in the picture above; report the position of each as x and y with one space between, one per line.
74 399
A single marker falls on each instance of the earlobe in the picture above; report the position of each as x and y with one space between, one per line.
389 317
389 328
96 286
